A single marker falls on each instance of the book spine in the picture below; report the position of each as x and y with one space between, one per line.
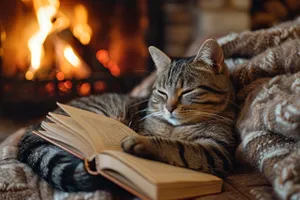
90 167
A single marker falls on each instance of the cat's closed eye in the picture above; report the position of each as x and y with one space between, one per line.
162 93
194 92
210 89
186 92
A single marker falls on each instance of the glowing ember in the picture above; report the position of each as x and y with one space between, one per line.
68 84
82 31
103 57
84 89
60 76
29 75
45 11
115 71
71 56
49 87
99 86
62 88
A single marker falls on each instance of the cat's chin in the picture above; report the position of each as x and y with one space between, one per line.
174 121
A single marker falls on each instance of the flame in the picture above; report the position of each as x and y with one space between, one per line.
82 31
71 56
45 11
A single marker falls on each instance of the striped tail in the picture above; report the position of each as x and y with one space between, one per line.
60 169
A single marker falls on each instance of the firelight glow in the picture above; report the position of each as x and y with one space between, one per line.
71 56
44 15
29 75
82 31
103 57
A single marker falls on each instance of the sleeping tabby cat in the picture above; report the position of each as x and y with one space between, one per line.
187 121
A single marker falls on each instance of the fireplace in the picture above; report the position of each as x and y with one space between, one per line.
56 50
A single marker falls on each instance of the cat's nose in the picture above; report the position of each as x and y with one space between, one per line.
171 108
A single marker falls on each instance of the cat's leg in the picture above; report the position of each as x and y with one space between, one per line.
208 155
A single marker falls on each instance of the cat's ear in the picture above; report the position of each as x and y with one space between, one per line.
161 60
212 54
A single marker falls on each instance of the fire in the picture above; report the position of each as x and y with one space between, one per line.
60 76
84 89
71 56
29 75
103 57
45 11
82 31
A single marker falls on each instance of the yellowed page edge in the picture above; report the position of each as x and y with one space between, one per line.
57 132
77 154
109 131
74 126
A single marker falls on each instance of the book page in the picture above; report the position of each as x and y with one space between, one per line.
73 126
71 149
158 180
60 133
101 129
160 173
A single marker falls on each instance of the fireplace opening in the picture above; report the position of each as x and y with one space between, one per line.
56 50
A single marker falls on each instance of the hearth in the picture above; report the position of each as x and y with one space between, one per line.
55 50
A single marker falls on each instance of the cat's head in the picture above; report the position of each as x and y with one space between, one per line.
187 91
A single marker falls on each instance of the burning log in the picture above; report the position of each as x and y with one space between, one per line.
87 53
68 62
58 62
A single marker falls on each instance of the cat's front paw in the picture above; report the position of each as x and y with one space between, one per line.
139 146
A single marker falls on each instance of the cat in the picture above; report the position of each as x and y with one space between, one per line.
187 121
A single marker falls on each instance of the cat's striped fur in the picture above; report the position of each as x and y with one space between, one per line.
188 122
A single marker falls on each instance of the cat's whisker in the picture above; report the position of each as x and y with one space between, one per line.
144 110
149 72
152 114
161 118
148 117
222 117
215 116
206 115
138 103
232 102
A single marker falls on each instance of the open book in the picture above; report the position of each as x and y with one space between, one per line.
94 137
